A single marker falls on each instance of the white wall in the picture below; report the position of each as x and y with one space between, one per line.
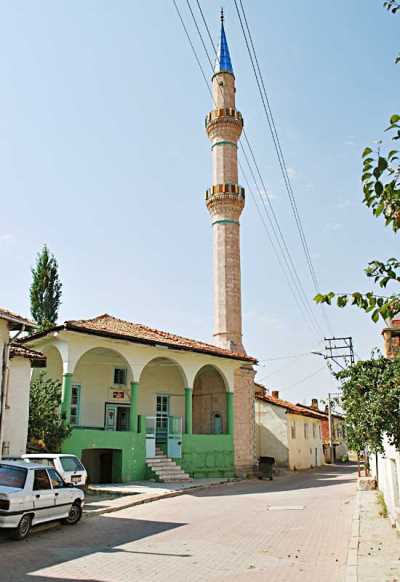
17 407
389 480
271 432
95 374
304 453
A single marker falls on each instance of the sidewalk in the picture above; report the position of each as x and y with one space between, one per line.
114 497
374 552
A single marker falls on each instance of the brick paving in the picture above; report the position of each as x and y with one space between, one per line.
379 545
226 533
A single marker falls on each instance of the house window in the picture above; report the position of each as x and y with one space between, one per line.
306 430
293 430
314 430
75 404
120 375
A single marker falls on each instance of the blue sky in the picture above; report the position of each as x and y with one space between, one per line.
104 158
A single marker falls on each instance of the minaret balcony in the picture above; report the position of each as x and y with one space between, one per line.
225 191
227 114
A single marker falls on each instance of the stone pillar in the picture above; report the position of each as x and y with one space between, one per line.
133 419
188 410
244 431
230 413
66 396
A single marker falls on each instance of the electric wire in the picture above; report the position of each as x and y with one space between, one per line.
281 158
276 229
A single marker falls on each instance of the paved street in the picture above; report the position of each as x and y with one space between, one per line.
294 528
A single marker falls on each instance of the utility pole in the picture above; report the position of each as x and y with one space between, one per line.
330 428
340 351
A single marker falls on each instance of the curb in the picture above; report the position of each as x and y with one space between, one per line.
148 498
351 574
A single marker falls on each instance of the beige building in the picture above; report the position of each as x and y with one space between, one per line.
16 364
287 432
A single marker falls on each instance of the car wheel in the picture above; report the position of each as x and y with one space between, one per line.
24 528
75 514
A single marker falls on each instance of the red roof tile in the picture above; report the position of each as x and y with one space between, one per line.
24 352
109 326
290 407
14 318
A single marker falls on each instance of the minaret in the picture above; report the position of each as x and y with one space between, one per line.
225 201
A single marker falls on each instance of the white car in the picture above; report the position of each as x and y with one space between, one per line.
69 466
31 494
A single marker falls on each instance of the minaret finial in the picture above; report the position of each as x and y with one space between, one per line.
223 61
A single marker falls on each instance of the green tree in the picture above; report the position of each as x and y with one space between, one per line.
46 429
371 400
45 291
381 187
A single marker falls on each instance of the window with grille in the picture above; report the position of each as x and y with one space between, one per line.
120 375
75 404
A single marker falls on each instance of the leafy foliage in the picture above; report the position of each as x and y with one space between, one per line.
45 291
46 428
371 401
381 187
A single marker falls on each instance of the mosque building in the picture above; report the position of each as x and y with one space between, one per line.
145 403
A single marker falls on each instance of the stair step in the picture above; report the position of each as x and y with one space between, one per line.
166 469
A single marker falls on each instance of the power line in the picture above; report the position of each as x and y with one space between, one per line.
275 228
281 158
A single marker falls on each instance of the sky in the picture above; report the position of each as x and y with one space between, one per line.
104 158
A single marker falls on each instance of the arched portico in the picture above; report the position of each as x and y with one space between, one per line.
98 393
161 402
211 402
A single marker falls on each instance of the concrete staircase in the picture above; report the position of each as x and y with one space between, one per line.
166 470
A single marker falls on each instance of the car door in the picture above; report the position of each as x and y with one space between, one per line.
64 496
43 496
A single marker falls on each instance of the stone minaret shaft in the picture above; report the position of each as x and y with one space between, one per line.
225 202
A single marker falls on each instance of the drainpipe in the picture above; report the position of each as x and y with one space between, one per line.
5 369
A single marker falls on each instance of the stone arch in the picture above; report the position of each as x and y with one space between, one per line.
54 364
162 375
99 384
209 401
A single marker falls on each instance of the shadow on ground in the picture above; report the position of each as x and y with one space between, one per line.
22 561
324 476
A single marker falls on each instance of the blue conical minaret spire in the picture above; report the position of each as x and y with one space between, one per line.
223 62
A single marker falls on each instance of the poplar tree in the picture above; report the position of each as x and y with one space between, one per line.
45 291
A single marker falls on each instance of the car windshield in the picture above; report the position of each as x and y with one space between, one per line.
12 476
41 461
71 464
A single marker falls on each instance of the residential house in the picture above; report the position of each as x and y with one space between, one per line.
386 467
286 431
16 364
339 445
131 391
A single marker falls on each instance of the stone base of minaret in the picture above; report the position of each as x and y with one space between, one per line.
244 433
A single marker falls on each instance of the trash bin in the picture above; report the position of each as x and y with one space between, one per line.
265 465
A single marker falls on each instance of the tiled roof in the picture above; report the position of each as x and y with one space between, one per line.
290 407
109 326
325 414
24 352
14 318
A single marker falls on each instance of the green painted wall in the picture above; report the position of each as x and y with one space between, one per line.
131 444
207 455
203 455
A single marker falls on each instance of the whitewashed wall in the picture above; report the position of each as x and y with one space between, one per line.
271 432
388 475
17 407
304 453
